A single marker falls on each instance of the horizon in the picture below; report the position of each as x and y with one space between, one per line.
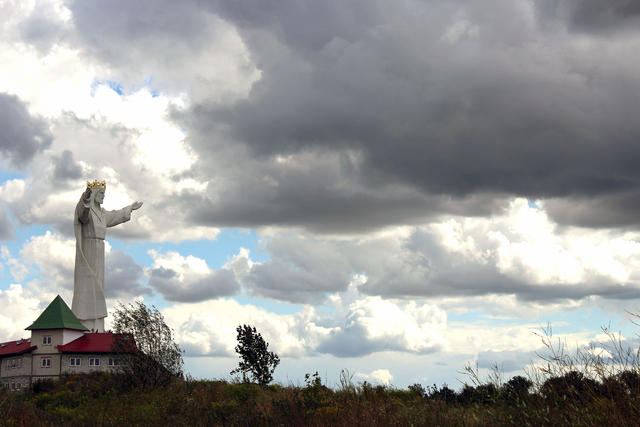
395 191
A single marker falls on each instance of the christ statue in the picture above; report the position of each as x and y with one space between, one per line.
90 226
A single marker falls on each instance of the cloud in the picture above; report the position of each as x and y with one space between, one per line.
420 110
381 376
17 269
373 324
54 256
301 270
123 276
20 308
176 48
273 117
189 279
126 139
12 190
65 167
209 328
505 361
6 226
23 135
520 252
356 325
136 150
595 16
46 23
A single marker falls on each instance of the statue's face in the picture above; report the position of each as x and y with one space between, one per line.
99 197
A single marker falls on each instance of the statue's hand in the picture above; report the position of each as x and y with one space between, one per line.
136 205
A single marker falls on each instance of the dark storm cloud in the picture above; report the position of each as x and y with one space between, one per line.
611 210
321 191
440 102
218 283
301 24
123 276
65 167
445 100
21 135
595 16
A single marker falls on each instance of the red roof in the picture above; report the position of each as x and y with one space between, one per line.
16 347
92 343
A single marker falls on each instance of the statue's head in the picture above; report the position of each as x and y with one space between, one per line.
97 190
98 195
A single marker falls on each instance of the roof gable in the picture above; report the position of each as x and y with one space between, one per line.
57 315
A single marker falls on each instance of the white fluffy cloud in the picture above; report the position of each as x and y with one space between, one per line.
525 242
54 256
18 306
12 190
518 252
209 328
381 376
356 325
17 269
189 279
126 138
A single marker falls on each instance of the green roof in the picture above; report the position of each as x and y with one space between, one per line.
57 315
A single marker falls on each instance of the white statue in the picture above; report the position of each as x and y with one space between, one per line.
90 226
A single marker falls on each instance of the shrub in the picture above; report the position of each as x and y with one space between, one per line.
517 389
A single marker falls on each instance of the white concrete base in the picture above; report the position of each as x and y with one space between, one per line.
94 325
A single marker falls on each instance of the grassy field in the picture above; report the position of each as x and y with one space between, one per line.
583 387
103 399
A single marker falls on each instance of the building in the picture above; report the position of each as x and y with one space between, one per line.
59 344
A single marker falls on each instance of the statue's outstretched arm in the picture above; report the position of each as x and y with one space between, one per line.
121 215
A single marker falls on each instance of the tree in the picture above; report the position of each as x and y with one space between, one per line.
148 355
255 358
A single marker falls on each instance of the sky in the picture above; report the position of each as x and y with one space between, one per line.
393 188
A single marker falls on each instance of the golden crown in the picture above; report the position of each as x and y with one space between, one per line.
96 184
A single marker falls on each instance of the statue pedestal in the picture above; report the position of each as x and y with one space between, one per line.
94 325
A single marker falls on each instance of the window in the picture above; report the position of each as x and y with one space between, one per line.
75 361
94 362
46 362
13 363
19 363
46 339
18 386
8 364
113 362
13 386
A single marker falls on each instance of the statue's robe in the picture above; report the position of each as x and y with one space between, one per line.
90 227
